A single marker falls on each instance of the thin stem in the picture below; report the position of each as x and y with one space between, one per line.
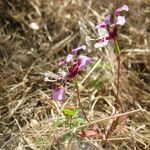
118 102
79 101
118 79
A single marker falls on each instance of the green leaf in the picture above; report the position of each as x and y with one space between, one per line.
76 85
116 47
70 112
77 122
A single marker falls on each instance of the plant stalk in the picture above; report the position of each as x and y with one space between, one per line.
79 102
118 52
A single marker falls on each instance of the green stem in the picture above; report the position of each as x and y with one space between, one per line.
118 52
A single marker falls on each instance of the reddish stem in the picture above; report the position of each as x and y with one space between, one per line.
80 105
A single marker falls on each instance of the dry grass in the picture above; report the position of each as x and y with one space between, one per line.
27 111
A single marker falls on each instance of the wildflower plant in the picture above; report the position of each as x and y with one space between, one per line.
107 31
73 64
70 67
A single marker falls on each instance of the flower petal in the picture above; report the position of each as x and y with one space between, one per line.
112 33
101 43
120 20
69 57
72 71
107 19
124 7
101 25
104 23
83 61
75 51
59 93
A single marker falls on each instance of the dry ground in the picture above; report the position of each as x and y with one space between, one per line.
27 112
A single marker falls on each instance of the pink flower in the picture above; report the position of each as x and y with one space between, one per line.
82 62
73 53
59 93
113 28
73 64
78 66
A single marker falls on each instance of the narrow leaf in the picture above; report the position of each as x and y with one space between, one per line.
116 48
76 85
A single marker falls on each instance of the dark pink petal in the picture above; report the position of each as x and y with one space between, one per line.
59 93
75 51
112 33
124 7
82 62
72 71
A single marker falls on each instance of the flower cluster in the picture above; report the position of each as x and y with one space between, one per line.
107 29
73 64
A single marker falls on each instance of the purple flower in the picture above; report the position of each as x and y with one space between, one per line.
59 93
72 65
106 35
78 66
82 62
73 53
